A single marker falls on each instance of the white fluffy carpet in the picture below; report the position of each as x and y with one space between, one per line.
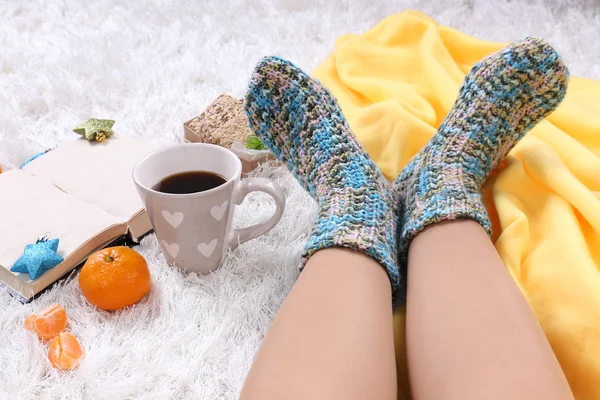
151 65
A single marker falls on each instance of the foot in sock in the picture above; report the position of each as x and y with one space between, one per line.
300 121
502 98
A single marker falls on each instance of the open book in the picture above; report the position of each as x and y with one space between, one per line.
79 192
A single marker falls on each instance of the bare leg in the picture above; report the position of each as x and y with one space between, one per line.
470 332
332 338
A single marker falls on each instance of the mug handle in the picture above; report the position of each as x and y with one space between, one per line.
269 186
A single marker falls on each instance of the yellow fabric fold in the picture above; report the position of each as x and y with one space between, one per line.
396 83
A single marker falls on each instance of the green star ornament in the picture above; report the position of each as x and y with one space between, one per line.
95 129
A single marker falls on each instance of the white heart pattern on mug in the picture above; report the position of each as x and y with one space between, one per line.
218 211
172 249
174 219
207 249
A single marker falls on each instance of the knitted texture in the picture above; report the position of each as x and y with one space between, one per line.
501 98
302 124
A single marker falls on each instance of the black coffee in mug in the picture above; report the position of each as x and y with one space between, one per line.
189 182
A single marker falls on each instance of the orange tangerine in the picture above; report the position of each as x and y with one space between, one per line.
114 278
64 351
48 323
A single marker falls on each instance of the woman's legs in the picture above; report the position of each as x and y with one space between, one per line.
333 336
470 333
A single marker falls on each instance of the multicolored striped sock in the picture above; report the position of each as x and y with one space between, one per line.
302 124
501 99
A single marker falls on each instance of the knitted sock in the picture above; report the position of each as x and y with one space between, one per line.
502 98
300 121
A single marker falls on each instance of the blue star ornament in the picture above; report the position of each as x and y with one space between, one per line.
38 258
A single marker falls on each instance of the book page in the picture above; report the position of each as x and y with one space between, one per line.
31 207
97 173
139 225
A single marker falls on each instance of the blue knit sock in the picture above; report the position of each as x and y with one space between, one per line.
501 99
302 124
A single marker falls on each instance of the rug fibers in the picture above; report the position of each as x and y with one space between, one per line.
150 65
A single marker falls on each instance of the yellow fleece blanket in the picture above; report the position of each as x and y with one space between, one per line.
397 82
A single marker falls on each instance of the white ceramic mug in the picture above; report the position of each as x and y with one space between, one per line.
194 229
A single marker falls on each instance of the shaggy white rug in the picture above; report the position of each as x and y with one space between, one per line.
151 65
